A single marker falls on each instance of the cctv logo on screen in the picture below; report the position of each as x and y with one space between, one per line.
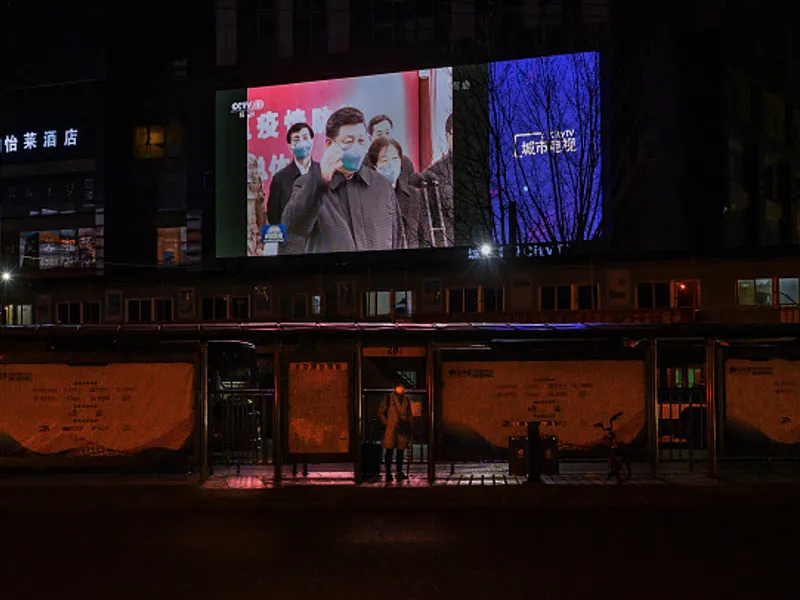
273 233
242 108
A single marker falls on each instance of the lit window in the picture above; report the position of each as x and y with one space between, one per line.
764 292
377 304
171 245
148 142
754 292
316 305
788 292
746 292
403 303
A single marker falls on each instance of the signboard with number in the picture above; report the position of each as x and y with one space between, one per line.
118 409
484 403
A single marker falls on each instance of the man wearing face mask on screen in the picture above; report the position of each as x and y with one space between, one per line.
300 139
385 155
341 205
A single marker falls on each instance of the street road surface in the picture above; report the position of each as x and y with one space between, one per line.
240 554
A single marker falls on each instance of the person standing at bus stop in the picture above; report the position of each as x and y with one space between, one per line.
395 414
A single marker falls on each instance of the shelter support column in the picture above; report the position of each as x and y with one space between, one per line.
277 418
652 406
430 371
359 410
712 386
204 412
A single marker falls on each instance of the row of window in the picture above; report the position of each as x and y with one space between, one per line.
768 292
392 303
378 304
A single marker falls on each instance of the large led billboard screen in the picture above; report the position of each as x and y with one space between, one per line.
499 153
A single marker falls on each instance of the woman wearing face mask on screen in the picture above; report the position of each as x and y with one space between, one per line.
385 155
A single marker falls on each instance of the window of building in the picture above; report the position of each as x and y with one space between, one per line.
521 295
226 29
754 292
164 310
262 305
493 300
186 304
113 306
587 297
404 303
687 294
69 313
240 308
215 308
556 297
432 295
788 291
171 246
338 26
91 313
316 305
149 142
310 28
139 310
377 304
299 306
462 300
17 314
653 294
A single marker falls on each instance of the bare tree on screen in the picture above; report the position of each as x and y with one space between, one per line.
543 122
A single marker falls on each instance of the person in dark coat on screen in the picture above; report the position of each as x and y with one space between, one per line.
300 139
385 155
382 126
341 205
440 176
395 414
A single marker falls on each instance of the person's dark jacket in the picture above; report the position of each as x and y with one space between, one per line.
280 191
442 173
406 170
414 215
361 216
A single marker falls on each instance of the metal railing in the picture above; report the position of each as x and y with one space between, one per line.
240 427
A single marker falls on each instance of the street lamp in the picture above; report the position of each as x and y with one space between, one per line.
6 276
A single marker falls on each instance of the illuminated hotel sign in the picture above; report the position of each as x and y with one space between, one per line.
11 143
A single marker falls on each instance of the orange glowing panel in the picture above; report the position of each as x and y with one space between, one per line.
318 408
115 409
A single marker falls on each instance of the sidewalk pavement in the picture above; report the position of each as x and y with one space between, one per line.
330 487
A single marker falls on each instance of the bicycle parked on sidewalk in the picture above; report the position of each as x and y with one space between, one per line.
618 466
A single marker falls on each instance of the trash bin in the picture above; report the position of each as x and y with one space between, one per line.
548 457
518 456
